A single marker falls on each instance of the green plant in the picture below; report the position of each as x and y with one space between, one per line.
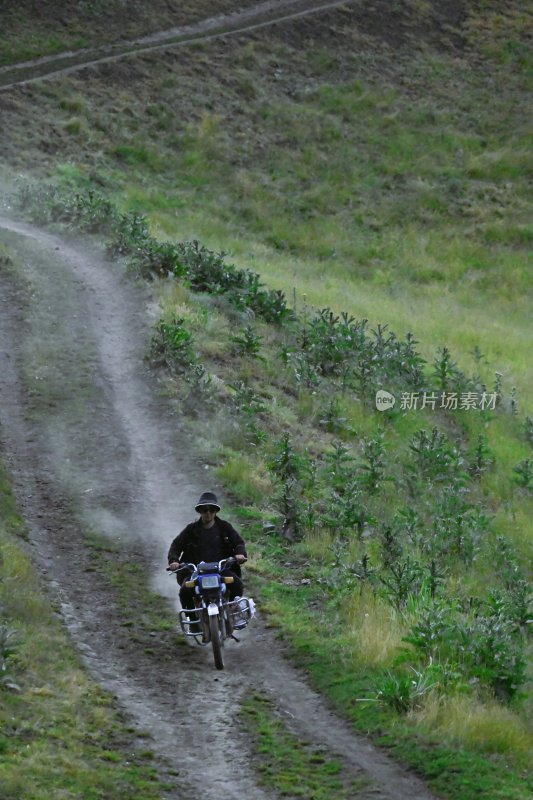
151 257
524 473
94 212
339 467
407 520
208 271
372 468
288 501
9 646
130 234
435 578
445 370
458 525
391 548
514 603
481 458
403 692
528 429
435 457
432 633
201 395
331 418
363 572
247 343
285 462
493 653
245 400
341 513
399 580
172 344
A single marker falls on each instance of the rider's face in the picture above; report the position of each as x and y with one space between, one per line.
208 514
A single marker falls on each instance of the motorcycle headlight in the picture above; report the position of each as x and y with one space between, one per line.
210 582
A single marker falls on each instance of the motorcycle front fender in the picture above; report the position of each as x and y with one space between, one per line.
212 610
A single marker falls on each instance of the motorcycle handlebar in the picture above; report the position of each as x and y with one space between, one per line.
180 568
221 565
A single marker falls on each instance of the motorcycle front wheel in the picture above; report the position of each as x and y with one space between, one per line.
216 641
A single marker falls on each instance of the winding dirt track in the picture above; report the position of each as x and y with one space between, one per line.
92 447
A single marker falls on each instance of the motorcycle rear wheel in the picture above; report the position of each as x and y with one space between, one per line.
216 641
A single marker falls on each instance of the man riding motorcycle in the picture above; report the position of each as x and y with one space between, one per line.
208 539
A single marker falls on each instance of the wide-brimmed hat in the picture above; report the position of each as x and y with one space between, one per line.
207 499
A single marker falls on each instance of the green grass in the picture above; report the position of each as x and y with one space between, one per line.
60 734
335 669
285 763
140 608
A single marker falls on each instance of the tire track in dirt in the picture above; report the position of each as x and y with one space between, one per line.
102 453
243 21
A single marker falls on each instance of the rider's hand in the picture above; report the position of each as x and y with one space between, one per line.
174 565
240 558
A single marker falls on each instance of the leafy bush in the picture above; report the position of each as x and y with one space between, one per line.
285 462
44 204
339 347
445 370
8 648
172 344
372 468
458 526
208 271
345 575
245 400
524 473
432 634
481 458
528 429
403 692
401 578
130 234
435 456
494 654
339 468
247 343
482 642
157 258
331 418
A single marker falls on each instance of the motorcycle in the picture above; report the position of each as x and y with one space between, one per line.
214 619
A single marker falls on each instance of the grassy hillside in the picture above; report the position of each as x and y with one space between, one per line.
31 30
390 159
376 163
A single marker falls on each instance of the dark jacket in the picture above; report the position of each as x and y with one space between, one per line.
187 547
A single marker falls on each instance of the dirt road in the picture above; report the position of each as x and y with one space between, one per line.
91 446
244 20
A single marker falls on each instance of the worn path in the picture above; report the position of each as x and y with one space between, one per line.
91 446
